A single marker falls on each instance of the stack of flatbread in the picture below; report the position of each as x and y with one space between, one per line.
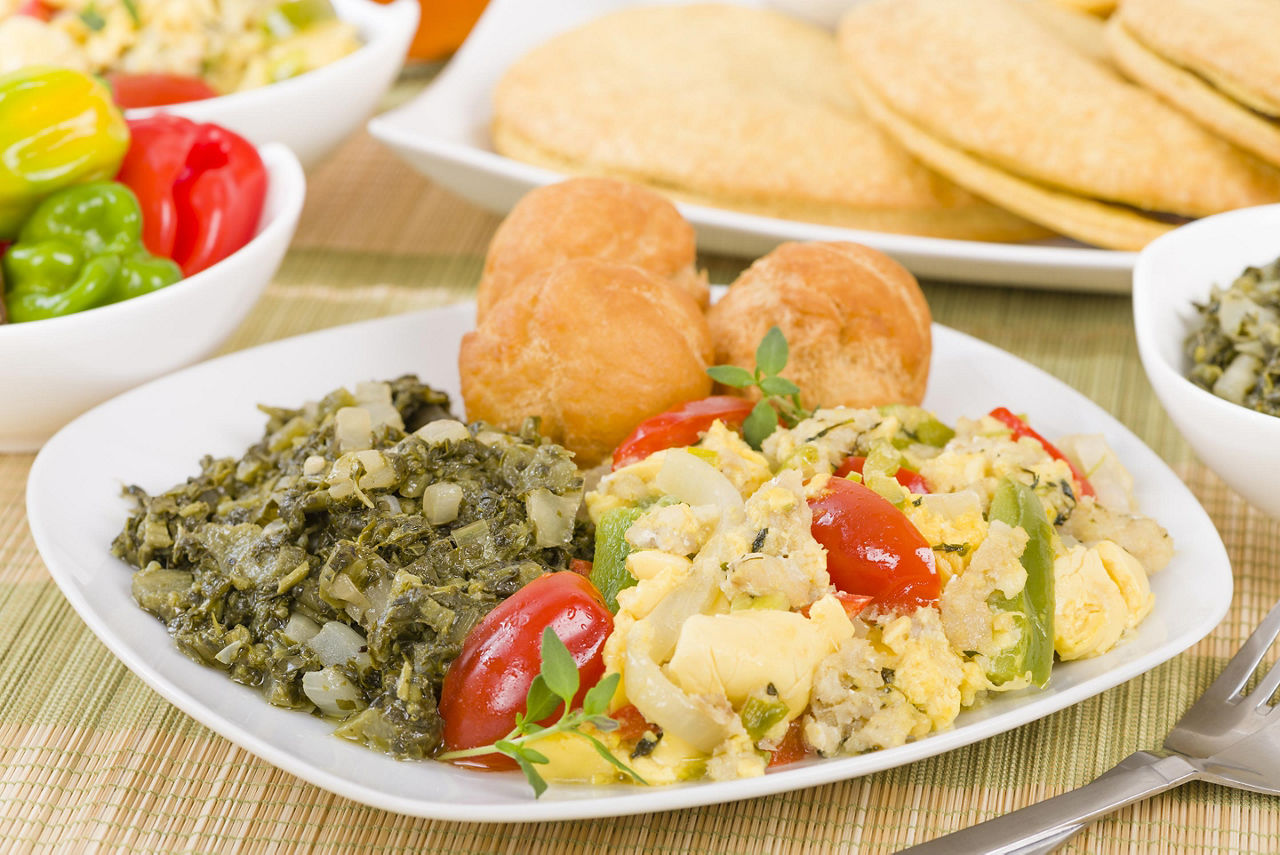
984 119
1216 60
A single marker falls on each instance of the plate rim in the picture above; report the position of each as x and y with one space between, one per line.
629 801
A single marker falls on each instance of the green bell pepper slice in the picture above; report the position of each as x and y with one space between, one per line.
609 571
1016 504
80 249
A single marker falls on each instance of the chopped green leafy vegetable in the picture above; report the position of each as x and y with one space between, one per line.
339 563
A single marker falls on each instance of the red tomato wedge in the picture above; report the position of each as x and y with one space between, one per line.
156 90
913 481
1020 429
680 426
791 749
872 548
631 723
489 681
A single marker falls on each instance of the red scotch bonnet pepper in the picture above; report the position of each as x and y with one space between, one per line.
201 188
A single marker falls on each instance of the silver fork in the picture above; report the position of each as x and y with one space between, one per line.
1227 737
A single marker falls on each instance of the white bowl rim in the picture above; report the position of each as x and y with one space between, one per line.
381 26
1145 295
284 172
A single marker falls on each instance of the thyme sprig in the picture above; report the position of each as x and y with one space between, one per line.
780 398
556 684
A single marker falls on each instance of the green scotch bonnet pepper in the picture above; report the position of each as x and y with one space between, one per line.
81 248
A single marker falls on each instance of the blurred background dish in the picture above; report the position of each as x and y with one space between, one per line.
57 368
444 133
314 112
442 27
1172 274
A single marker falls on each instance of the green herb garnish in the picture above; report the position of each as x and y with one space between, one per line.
781 398
556 683
132 8
92 18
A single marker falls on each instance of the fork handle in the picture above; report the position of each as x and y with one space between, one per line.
1049 823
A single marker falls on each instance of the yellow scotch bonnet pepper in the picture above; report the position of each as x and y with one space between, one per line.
57 127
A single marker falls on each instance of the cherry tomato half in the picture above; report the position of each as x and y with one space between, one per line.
913 481
872 548
156 90
680 426
487 684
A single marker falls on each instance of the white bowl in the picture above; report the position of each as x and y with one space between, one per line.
314 112
53 370
1175 270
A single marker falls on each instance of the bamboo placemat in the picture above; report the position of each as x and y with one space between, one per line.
91 758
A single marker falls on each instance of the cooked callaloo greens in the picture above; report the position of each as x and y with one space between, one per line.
1236 352
340 562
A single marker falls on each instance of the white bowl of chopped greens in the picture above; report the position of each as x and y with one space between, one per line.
1206 308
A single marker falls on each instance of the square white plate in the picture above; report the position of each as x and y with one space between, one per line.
153 436
444 134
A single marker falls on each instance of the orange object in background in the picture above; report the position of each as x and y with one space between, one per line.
443 27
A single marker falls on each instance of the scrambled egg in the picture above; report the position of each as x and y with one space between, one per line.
982 453
734 605
722 653
899 681
968 617
1100 592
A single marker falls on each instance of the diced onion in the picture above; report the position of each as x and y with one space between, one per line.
354 428
696 482
376 398
337 644
951 505
1240 375
440 502
442 430
333 693
552 516
300 628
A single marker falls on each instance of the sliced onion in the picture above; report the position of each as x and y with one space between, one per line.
696 482
664 703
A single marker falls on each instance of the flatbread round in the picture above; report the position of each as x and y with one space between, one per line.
1232 44
1195 96
730 106
1000 88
